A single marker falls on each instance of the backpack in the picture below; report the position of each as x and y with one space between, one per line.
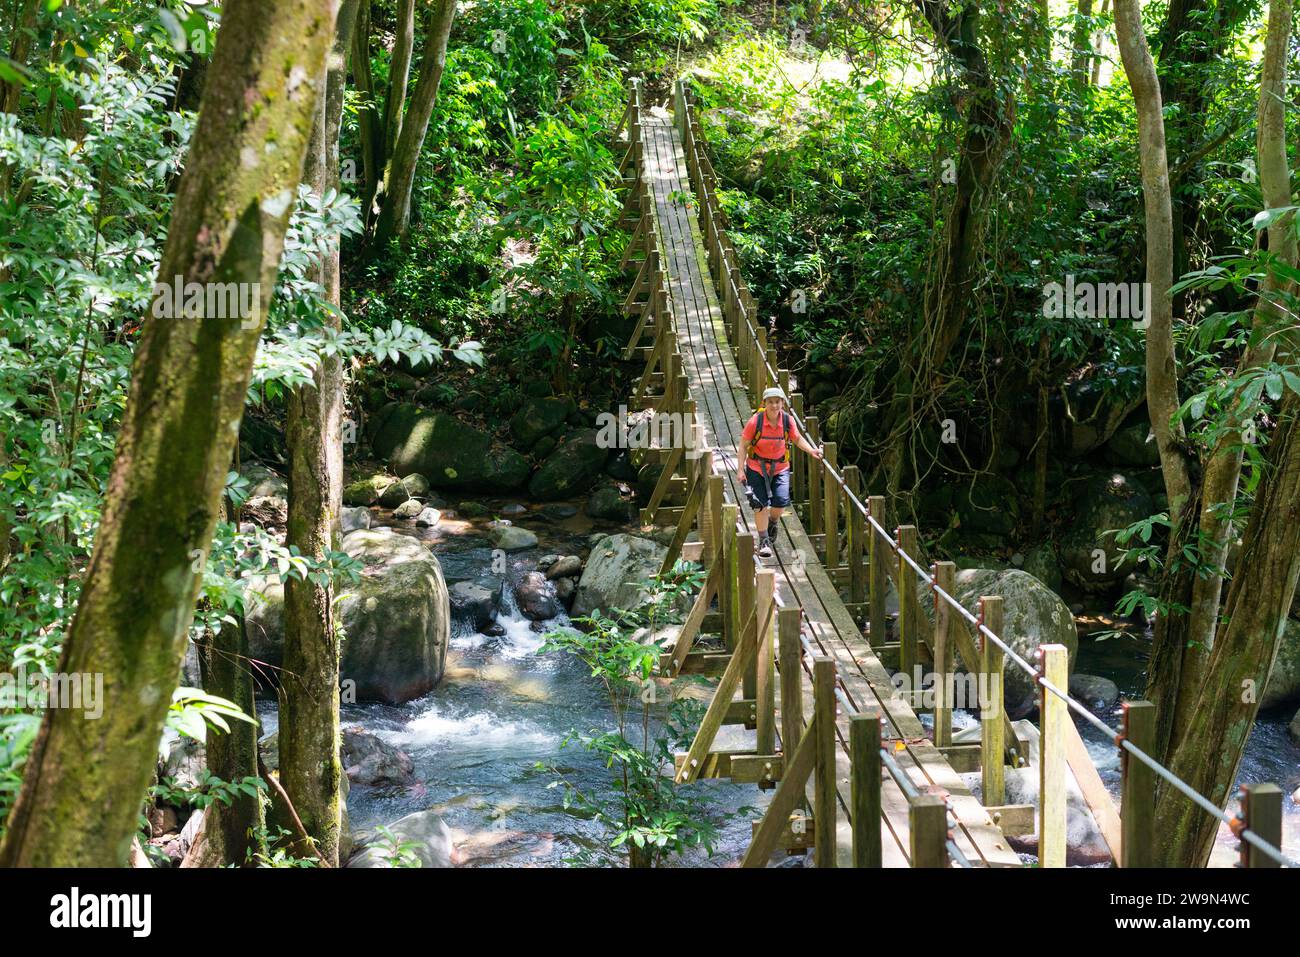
750 452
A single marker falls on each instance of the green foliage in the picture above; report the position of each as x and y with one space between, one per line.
651 817
396 852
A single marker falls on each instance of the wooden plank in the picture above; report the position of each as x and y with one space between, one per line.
784 800
1094 791
1014 819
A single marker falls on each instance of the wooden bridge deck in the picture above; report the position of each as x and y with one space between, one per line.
722 407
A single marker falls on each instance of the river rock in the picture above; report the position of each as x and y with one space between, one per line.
428 517
395 495
1032 614
570 469
616 572
558 511
471 509
1283 685
1293 730
396 618
1134 445
367 490
1097 693
476 601
566 567
1042 562
417 486
537 418
536 597
447 452
368 760
511 538
620 467
411 508
1090 556
425 830
607 502
263 481
1098 408
350 519
565 589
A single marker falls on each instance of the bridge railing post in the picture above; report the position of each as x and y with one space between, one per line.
864 759
909 612
815 515
790 653
1261 812
878 578
764 679
824 796
727 581
799 476
927 819
831 502
1053 711
945 577
992 740
855 531
1138 787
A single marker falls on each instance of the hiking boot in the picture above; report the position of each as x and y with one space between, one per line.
764 547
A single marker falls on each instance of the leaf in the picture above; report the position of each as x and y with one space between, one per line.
172 24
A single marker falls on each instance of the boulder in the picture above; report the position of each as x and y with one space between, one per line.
1096 407
616 572
370 761
1283 685
447 452
476 601
427 834
367 490
1090 556
396 618
395 495
417 486
536 597
266 511
538 417
1032 615
1042 562
1134 445
557 511
428 517
571 468
510 538
350 519
1097 693
990 506
411 508
607 502
263 481
565 567
1293 730
565 589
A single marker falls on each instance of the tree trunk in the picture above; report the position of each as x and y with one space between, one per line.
1182 647
310 768
399 177
84 780
1081 44
369 122
399 75
232 831
1162 375
1255 613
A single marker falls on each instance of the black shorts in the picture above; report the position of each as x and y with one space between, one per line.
758 488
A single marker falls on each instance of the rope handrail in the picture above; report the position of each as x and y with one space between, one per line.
710 200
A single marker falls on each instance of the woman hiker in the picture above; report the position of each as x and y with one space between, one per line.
766 469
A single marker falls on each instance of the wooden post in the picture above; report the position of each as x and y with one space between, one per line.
908 610
1261 810
1138 787
945 576
878 573
927 819
815 515
798 495
713 517
727 583
764 686
1053 712
791 653
864 754
824 775
831 497
992 743
855 526
760 366
745 597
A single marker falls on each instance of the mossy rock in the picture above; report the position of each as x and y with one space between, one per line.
368 491
449 453
570 469
537 418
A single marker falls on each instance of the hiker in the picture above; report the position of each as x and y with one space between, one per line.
766 469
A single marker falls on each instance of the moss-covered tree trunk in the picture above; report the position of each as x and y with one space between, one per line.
309 699
85 779
232 832
399 176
